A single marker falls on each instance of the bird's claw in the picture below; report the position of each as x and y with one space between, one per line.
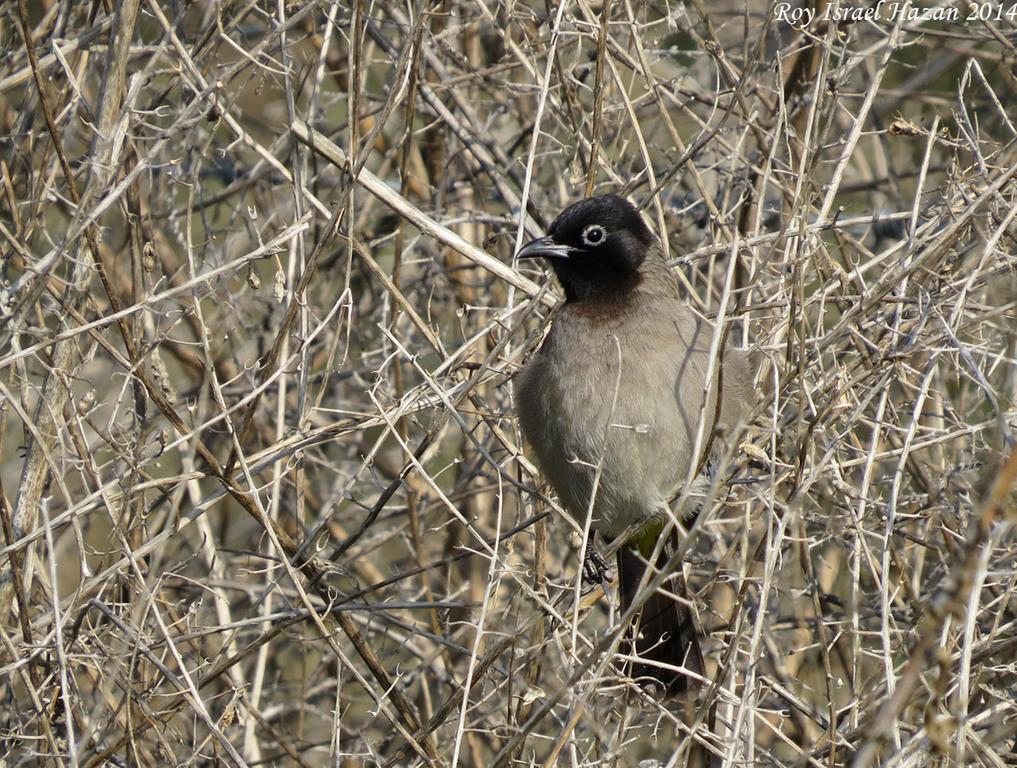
595 567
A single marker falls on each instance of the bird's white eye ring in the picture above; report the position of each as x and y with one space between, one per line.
593 235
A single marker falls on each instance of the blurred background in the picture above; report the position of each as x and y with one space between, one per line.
263 498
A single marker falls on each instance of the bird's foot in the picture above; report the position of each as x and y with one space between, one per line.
595 568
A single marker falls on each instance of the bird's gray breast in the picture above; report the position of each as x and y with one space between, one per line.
599 403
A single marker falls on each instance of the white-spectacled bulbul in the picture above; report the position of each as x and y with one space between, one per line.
612 402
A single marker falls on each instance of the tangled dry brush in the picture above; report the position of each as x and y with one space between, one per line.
263 499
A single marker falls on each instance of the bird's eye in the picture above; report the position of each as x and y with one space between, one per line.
593 235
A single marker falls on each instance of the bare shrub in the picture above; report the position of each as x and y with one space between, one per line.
263 500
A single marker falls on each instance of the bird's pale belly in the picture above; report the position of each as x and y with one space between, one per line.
632 474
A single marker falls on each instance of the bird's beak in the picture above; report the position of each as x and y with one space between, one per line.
546 247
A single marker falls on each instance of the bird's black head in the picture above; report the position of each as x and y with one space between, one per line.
596 247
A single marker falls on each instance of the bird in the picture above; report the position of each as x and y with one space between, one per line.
611 404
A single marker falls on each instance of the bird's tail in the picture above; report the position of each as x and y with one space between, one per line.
664 631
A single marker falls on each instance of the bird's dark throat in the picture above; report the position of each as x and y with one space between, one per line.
596 285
